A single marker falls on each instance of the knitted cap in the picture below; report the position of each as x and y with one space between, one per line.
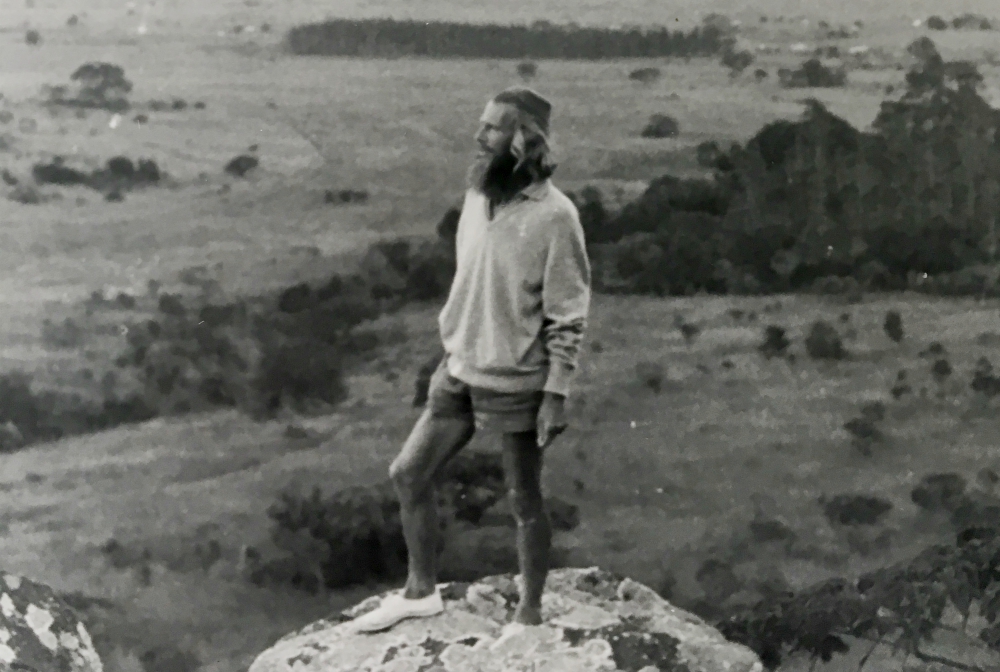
530 103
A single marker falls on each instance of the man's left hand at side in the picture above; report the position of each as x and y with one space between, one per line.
551 418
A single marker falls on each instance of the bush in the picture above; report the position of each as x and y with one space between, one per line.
823 342
240 165
812 74
668 262
775 342
119 174
593 215
893 325
56 173
32 37
651 375
99 85
661 126
935 22
971 22
345 196
527 70
65 335
645 75
27 195
356 533
737 61
939 492
855 509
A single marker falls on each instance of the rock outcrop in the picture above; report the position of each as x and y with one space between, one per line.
39 631
594 622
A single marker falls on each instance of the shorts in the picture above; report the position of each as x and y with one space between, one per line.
504 412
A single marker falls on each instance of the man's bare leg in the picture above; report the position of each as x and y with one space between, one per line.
522 461
432 442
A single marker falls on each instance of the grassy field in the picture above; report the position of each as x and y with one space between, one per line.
701 455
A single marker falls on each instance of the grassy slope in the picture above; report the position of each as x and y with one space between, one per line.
400 130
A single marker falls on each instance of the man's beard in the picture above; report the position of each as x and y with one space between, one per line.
494 176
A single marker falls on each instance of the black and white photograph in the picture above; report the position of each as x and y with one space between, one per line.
472 336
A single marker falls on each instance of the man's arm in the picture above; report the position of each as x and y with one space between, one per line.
565 301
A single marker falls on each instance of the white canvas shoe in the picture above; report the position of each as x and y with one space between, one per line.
396 608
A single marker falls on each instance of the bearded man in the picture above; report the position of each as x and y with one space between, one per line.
511 331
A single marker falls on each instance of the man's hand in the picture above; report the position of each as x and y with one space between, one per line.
551 418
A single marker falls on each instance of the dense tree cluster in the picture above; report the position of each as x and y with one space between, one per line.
392 38
816 197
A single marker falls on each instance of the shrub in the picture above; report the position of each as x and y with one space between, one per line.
669 262
983 379
65 335
56 173
119 174
294 372
661 126
854 509
812 74
32 37
345 196
864 433
737 61
971 22
121 166
823 342
99 85
360 528
527 70
775 342
240 165
939 492
893 325
651 375
935 22
593 215
27 195
645 75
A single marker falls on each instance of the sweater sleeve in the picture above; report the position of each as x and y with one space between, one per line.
565 300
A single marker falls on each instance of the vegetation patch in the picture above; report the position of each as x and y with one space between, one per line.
394 38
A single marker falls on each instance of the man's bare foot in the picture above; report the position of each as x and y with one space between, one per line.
527 615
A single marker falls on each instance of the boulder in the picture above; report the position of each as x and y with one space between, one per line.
594 621
39 631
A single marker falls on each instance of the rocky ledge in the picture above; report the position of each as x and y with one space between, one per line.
39 631
595 621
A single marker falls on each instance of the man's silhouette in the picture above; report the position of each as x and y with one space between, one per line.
511 331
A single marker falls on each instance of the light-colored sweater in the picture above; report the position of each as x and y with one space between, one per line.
519 302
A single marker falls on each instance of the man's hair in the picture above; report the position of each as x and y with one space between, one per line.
537 155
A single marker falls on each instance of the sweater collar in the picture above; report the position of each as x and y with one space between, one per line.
535 191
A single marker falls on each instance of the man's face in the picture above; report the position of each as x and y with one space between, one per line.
496 128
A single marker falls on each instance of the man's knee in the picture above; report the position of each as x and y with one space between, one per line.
527 505
407 478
